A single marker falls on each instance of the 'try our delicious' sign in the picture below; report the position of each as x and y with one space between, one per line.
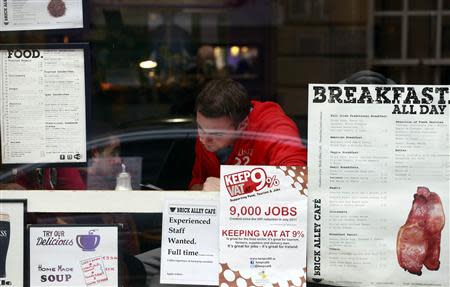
73 255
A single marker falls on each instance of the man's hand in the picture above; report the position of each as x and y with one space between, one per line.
212 184
11 186
196 187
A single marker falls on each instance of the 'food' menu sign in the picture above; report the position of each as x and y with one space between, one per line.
43 105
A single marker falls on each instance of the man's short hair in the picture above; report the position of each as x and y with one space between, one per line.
224 97
101 136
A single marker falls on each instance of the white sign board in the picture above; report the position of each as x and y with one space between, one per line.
263 223
42 104
73 255
18 15
189 245
378 159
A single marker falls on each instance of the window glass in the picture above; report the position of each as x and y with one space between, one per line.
422 5
150 60
388 5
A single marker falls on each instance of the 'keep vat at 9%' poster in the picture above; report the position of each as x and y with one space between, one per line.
42 104
263 226
378 159
73 255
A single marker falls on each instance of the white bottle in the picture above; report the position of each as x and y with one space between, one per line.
123 180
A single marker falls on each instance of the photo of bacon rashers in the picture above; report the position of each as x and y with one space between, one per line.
419 239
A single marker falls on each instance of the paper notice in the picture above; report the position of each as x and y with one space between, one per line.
189 246
263 226
19 15
43 117
378 158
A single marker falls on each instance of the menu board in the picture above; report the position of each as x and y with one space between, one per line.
18 15
378 160
73 255
263 222
42 104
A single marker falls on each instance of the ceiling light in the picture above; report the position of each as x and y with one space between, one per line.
234 51
148 64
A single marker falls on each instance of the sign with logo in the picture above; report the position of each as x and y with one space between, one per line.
189 245
74 255
12 222
263 223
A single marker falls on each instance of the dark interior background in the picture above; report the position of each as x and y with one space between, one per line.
274 48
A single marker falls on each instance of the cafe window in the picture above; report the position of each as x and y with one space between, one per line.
101 122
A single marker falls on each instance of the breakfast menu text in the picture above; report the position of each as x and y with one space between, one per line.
378 159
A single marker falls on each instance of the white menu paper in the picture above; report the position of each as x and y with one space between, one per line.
263 222
378 159
18 15
74 256
189 245
42 104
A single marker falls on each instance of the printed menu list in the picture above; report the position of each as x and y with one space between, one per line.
18 15
377 155
43 116
263 226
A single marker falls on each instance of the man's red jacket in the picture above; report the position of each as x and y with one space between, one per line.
271 138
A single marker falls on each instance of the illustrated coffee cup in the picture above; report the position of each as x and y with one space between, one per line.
88 242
